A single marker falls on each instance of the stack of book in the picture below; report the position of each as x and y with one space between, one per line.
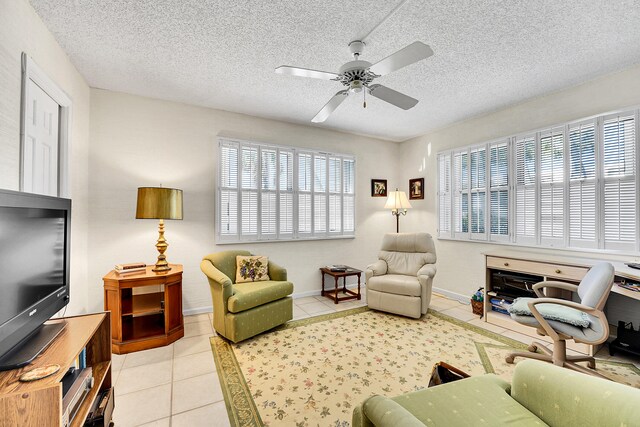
130 268
632 286
337 268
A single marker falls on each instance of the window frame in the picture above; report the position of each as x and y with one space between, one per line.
282 236
566 242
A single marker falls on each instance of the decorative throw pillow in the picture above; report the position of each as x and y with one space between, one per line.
252 268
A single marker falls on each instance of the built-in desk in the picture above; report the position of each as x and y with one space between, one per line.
551 267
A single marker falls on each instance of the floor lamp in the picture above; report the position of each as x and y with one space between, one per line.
159 203
398 203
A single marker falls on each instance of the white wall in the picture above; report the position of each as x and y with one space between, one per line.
21 30
138 141
461 264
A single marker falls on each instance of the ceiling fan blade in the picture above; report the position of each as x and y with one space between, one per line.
330 106
415 52
392 97
305 72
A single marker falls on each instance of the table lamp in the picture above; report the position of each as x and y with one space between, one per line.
159 203
398 203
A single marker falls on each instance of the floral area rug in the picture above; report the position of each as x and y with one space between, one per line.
312 372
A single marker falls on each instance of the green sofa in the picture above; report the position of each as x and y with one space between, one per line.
243 310
541 394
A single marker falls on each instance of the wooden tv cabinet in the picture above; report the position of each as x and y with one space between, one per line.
146 308
39 403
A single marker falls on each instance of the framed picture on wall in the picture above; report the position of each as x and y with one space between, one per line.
378 188
416 188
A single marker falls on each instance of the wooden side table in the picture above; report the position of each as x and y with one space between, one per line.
333 293
140 321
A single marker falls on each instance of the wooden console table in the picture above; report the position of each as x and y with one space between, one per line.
549 267
333 293
39 403
146 319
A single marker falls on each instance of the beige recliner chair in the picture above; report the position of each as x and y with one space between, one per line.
400 281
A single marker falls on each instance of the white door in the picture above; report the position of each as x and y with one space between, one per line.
41 142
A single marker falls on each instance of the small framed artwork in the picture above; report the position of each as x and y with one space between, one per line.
378 188
416 188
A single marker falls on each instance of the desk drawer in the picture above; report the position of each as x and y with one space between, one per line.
554 271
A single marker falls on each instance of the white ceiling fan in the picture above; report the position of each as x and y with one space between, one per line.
357 75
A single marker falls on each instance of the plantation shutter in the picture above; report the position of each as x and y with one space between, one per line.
320 196
228 190
268 195
552 187
444 194
525 230
304 193
285 187
478 173
582 185
249 190
499 187
619 170
461 193
348 209
335 198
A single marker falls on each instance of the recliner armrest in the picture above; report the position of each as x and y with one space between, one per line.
277 272
214 274
378 268
428 270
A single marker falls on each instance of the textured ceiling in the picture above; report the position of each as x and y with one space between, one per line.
221 54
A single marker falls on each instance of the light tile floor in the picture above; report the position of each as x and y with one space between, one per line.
178 385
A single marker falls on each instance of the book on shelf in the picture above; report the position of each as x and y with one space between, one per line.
130 266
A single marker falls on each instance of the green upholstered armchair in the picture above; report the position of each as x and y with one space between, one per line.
243 310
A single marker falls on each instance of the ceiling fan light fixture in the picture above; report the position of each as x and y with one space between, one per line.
356 86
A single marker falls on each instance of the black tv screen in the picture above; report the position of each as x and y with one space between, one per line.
31 257
34 271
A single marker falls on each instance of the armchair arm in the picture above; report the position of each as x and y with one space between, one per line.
584 308
537 288
428 270
276 272
378 268
383 412
214 275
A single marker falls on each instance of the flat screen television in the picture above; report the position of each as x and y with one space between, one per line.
34 273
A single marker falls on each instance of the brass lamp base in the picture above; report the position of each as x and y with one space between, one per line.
162 245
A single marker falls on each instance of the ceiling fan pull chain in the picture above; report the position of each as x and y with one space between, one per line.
364 97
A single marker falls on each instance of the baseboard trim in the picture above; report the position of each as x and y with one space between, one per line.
209 309
452 295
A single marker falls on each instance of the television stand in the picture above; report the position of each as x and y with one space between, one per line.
27 349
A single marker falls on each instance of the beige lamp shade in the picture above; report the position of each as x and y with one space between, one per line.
397 200
159 203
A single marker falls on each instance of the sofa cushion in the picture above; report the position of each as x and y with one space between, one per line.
252 294
477 401
551 311
398 284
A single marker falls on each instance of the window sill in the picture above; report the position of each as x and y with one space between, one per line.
301 239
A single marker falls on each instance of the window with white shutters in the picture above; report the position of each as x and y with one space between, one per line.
461 193
574 185
444 194
619 173
269 192
582 184
478 191
551 174
525 189
499 191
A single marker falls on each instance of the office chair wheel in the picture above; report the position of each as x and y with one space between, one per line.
509 359
532 348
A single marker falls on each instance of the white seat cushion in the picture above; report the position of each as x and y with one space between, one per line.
398 284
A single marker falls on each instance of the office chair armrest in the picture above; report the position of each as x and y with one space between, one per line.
537 288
